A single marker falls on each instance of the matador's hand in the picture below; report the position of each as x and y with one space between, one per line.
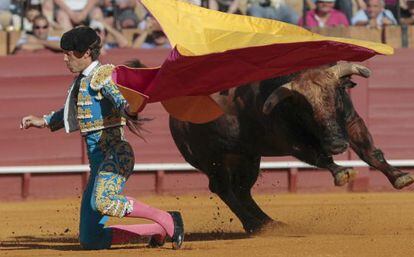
32 121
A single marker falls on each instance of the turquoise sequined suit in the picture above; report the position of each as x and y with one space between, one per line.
96 108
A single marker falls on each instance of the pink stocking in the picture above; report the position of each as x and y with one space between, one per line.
125 233
141 210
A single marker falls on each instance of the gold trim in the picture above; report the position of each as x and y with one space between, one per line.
102 76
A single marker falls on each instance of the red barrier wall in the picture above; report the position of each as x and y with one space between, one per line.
34 84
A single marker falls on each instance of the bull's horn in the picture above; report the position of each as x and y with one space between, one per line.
276 96
347 69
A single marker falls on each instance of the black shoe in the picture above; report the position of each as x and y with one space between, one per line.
178 237
154 243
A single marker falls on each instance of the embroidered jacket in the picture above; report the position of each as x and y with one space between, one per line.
99 104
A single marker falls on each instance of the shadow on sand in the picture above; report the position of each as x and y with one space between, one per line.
72 243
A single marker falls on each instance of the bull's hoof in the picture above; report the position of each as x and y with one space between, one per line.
253 229
403 181
344 176
267 226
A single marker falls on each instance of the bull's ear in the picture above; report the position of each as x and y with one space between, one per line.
276 97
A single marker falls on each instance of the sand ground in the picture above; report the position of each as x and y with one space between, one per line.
317 225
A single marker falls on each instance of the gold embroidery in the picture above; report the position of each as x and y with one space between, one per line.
102 76
84 113
114 170
84 100
107 122
83 86
108 188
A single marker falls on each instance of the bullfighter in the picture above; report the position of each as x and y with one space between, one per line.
95 106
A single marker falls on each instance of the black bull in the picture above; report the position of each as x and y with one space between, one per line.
310 118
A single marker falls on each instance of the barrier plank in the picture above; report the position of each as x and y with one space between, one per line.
411 36
356 32
3 43
393 36
364 33
14 36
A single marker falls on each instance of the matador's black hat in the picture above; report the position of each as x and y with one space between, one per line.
79 39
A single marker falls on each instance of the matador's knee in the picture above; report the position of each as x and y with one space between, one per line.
114 206
107 199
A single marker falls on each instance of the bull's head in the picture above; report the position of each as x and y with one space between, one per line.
317 96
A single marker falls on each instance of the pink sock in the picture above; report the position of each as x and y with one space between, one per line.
125 233
141 210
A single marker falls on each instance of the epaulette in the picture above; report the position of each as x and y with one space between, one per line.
102 76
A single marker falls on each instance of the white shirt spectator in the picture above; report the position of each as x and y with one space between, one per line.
76 5
361 15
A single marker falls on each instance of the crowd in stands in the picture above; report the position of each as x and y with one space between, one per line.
45 20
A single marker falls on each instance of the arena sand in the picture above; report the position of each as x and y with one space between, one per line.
318 225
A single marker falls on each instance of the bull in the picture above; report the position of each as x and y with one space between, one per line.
308 115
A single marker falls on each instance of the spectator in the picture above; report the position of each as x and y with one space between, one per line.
141 11
40 40
360 5
73 12
151 36
48 10
345 6
121 10
310 5
31 14
392 6
272 9
5 14
103 30
104 13
127 19
324 15
375 16
228 6
408 14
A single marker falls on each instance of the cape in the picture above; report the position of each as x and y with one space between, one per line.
214 51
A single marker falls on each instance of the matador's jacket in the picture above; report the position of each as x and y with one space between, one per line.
95 106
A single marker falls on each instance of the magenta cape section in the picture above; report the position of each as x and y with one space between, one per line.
206 74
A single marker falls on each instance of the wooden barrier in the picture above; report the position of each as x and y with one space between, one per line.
393 36
14 37
410 36
160 173
3 43
363 33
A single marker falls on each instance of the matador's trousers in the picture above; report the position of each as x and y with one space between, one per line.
111 162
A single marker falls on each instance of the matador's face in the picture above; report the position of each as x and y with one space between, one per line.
77 62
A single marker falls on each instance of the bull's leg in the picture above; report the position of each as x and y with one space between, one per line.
342 175
362 143
221 182
246 176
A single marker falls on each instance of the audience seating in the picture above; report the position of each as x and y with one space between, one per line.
392 35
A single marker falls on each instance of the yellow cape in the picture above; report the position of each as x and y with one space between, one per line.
199 31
